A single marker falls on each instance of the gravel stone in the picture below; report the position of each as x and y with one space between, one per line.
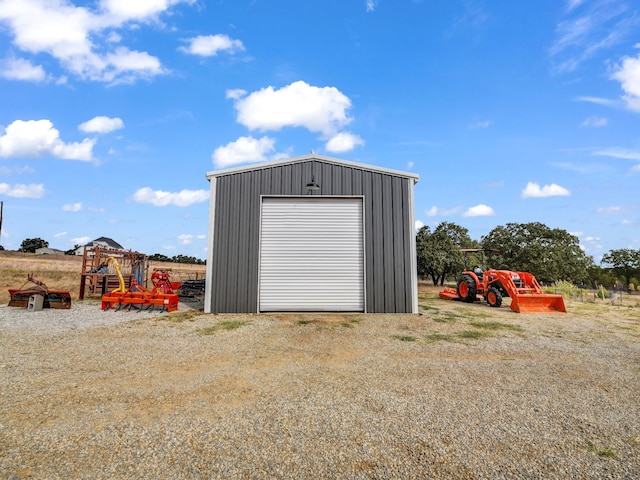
87 394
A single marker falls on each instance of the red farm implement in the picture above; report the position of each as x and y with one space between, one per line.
19 297
137 297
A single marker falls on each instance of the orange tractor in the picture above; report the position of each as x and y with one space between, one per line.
493 285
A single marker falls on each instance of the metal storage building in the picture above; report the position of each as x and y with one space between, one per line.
311 233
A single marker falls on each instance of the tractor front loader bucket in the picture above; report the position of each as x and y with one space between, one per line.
538 303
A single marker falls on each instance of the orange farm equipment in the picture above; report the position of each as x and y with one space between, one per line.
162 281
492 285
138 297
59 299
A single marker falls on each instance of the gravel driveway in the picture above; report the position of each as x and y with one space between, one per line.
458 392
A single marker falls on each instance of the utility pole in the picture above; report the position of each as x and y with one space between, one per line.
1 205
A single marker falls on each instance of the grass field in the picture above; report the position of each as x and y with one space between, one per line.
62 272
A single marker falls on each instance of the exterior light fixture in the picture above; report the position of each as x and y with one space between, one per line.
312 185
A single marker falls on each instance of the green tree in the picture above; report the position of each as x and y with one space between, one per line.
439 252
187 259
624 262
30 245
72 251
549 254
600 276
159 257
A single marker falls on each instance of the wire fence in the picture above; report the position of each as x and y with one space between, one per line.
614 296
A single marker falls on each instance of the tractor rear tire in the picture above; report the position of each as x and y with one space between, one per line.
467 289
494 297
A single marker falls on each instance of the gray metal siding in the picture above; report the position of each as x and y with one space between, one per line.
388 233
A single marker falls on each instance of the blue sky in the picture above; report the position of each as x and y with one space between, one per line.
112 111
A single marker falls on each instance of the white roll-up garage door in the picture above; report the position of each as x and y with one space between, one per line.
311 254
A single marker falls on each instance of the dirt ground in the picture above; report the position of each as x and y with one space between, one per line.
459 391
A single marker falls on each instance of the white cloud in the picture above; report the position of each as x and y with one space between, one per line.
60 235
479 211
235 93
101 124
594 121
185 239
34 138
628 74
343 142
20 190
126 66
437 211
418 225
481 124
571 4
617 152
210 45
319 109
597 100
371 5
16 170
585 32
84 40
138 9
81 240
243 150
533 190
72 207
609 210
21 69
160 198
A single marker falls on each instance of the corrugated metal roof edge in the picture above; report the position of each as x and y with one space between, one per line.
306 158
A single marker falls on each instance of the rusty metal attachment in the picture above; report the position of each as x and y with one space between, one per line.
19 297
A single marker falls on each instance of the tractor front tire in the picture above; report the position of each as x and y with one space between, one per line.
494 297
467 289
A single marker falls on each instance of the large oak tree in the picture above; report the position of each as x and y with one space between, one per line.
549 254
439 251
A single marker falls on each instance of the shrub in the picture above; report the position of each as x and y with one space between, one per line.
566 289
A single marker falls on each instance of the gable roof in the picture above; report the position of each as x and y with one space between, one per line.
311 157
108 241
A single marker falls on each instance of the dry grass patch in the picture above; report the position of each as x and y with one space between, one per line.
179 317
404 338
222 325
440 337
496 326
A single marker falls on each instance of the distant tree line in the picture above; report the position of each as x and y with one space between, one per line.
30 245
158 257
549 254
